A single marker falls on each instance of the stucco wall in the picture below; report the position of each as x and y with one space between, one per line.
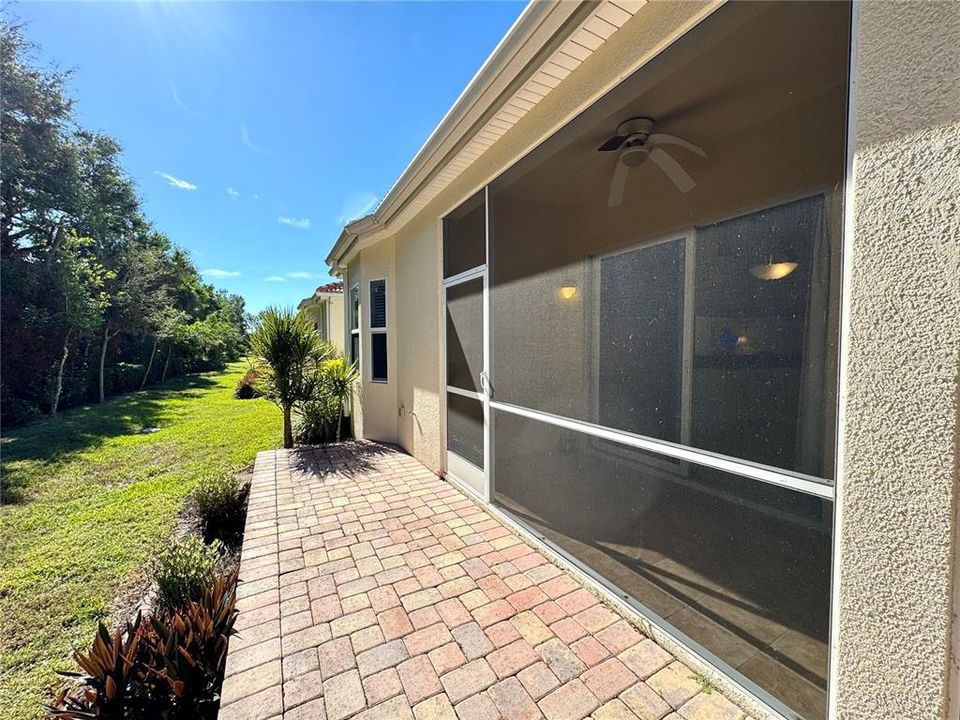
418 338
379 399
899 482
335 321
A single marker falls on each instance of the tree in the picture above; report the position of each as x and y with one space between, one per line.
39 162
82 269
80 278
288 351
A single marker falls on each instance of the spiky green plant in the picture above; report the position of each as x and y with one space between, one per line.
288 351
339 377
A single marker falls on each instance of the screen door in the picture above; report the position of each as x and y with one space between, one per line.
464 292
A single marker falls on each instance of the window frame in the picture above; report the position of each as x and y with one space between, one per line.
354 311
371 330
683 452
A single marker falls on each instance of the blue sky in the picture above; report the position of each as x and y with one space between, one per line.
254 130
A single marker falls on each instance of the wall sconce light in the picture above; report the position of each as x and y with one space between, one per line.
568 292
773 270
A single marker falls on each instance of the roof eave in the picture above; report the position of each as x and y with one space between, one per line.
460 120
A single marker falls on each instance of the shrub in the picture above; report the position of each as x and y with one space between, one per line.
15 411
126 377
113 683
188 647
320 417
316 420
247 386
167 666
220 501
183 569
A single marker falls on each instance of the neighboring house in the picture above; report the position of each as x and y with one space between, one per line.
325 310
716 371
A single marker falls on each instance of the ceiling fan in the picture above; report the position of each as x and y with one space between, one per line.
636 141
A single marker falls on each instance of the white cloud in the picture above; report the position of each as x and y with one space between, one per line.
301 275
299 223
275 278
176 98
245 139
176 182
356 205
218 273
232 192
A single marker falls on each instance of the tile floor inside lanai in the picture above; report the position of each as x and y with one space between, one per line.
370 588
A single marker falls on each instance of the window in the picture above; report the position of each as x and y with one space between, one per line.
378 330
355 323
663 340
322 321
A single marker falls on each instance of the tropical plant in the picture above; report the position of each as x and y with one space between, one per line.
188 647
320 417
169 665
182 569
339 379
288 352
220 501
247 385
108 681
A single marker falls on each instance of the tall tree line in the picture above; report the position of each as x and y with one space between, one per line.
93 300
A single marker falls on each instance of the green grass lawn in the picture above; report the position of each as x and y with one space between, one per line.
88 498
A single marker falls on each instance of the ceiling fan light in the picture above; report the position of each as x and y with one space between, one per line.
773 270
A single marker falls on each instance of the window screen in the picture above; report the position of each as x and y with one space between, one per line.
693 300
378 357
465 334
740 567
465 237
378 303
641 340
465 428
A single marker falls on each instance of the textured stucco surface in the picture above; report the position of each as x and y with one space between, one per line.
418 338
899 411
378 400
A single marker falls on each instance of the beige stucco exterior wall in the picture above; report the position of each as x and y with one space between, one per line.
899 429
335 321
378 400
418 339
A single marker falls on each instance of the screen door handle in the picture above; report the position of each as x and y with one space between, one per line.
485 383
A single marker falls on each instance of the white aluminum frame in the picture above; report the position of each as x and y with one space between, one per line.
353 316
802 483
457 467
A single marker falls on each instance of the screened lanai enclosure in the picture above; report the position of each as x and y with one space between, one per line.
641 339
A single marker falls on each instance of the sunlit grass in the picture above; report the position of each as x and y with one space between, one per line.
88 497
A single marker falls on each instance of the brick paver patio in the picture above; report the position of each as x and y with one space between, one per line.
370 588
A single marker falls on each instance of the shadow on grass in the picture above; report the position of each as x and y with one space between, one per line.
54 440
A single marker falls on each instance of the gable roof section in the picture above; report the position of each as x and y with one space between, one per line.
547 42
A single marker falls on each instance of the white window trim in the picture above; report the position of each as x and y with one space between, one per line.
379 330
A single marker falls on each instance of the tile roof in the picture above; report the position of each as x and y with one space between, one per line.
334 287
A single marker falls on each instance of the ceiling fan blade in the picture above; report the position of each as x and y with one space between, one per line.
617 184
664 139
680 177
613 143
